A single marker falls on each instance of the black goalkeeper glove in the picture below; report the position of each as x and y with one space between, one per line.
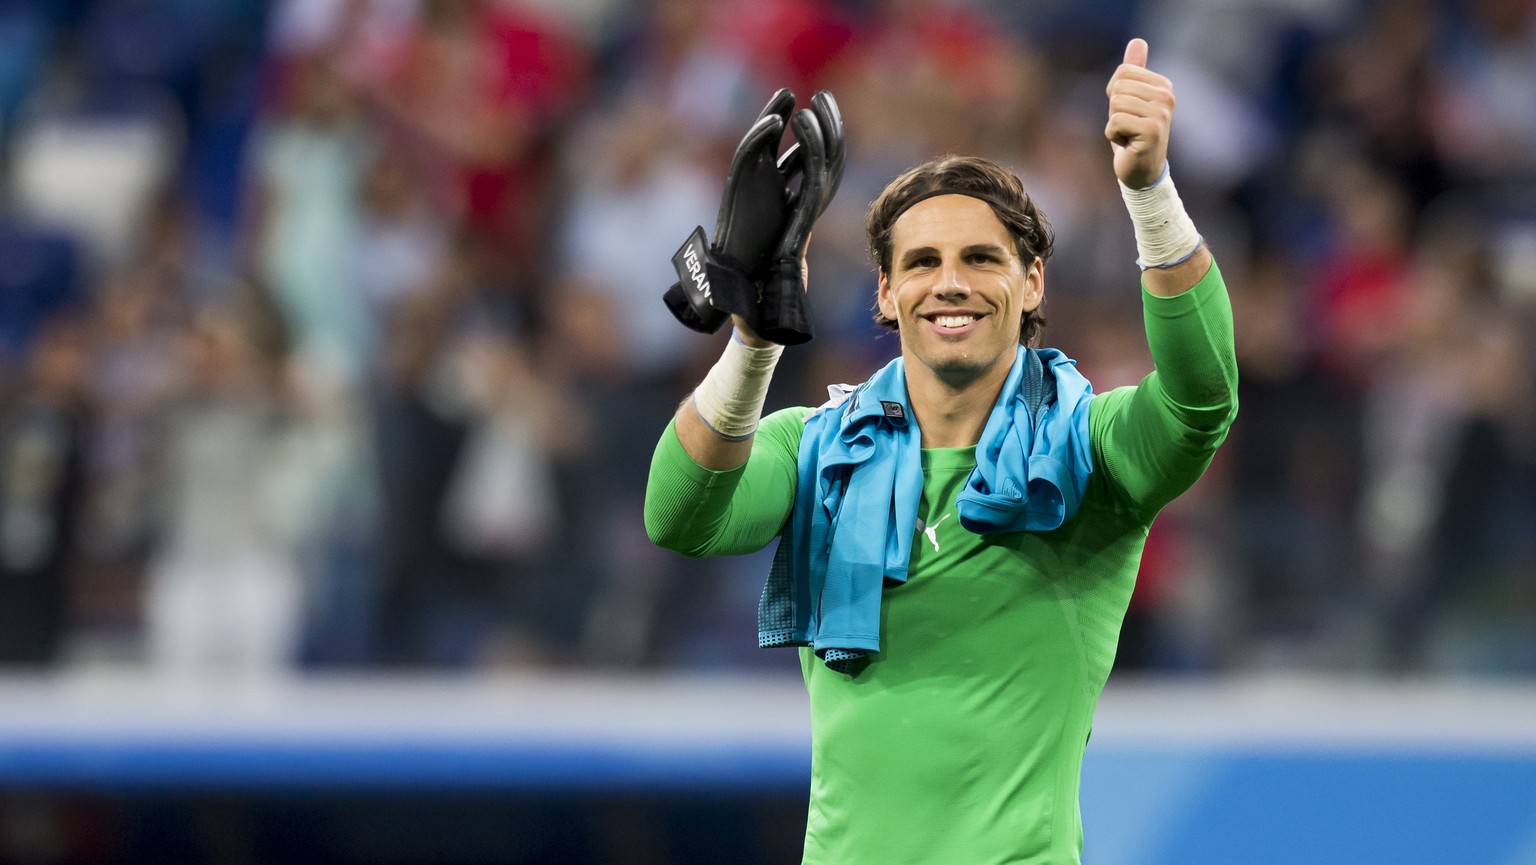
721 278
752 268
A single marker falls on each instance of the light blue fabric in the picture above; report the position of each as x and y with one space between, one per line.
860 480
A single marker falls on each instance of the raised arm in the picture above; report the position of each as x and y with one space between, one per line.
1154 440
754 271
707 493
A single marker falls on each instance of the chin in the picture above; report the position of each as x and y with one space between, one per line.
960 371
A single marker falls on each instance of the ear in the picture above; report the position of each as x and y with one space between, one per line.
883 298
1034 284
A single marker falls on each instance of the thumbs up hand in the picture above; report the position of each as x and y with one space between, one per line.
1140 118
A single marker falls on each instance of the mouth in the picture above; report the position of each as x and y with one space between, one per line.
952 323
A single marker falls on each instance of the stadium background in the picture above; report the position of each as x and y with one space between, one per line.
331 357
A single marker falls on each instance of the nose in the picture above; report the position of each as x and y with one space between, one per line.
950 282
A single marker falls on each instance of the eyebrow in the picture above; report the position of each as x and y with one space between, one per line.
993 249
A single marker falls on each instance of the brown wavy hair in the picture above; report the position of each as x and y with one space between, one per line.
978 178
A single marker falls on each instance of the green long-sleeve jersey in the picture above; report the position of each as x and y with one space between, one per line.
962 740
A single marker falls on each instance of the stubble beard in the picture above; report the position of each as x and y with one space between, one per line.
960 370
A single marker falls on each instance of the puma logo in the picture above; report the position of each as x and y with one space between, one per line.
932 531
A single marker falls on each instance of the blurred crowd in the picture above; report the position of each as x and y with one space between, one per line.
331 331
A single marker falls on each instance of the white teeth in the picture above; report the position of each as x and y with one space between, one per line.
953 320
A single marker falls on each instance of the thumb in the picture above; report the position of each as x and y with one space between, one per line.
1136 53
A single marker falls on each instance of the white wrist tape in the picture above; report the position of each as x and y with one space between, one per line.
730 398
1165 235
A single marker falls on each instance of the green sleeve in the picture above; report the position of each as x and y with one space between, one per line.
698 512
1154 440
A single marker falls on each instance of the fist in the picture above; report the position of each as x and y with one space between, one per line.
1140 118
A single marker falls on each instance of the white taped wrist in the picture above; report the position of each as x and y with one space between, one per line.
1165 235
730 398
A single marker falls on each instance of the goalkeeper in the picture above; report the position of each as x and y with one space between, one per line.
959 535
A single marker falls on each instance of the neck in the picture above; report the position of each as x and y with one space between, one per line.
953 414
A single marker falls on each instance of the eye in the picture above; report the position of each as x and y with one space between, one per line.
980 258
923 261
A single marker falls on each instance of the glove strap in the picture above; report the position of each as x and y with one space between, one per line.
709 288
707 320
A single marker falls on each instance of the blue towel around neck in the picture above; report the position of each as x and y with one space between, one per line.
860 480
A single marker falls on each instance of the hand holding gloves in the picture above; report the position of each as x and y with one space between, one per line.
770 204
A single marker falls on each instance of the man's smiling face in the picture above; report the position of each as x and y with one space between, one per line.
957 290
